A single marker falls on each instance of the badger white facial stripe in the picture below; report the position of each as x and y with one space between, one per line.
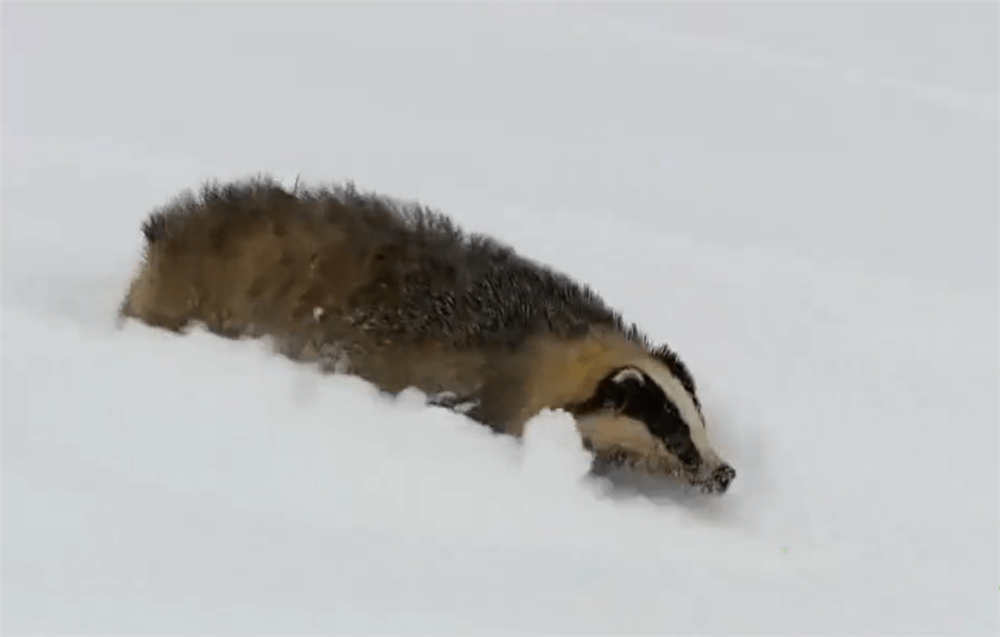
684 403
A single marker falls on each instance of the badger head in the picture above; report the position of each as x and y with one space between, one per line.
646 416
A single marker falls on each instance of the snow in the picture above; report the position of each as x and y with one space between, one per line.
801 199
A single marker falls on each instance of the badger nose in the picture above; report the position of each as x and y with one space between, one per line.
722 477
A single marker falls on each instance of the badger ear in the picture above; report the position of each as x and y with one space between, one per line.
614 391
628 373
620 386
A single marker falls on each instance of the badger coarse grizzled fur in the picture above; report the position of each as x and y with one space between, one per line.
397 294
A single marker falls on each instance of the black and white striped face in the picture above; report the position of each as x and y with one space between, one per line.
643 416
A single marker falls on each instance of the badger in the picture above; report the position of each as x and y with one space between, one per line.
394 292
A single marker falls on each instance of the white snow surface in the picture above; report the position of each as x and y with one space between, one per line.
800 199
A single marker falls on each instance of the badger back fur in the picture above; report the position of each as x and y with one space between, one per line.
397 294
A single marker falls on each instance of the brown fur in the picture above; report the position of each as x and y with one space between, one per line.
394 295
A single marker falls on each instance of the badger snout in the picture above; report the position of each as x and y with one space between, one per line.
720 479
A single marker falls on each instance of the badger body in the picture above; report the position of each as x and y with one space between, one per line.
397 294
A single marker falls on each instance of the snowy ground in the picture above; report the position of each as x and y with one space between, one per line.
801 199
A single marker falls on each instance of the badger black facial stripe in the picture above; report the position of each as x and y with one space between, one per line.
648 404
636 395
680 398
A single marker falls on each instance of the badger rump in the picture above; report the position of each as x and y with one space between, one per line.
397 294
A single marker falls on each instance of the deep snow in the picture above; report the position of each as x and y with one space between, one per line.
801 199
